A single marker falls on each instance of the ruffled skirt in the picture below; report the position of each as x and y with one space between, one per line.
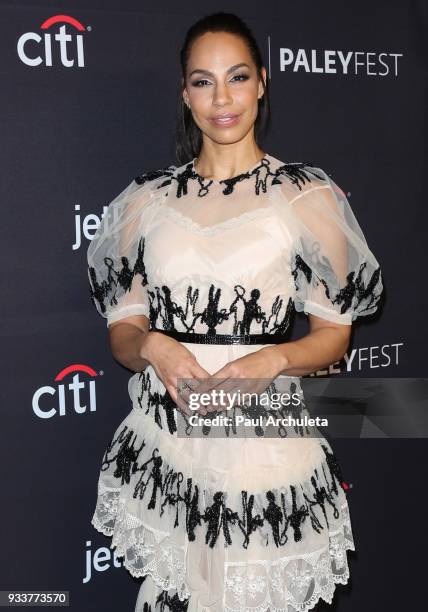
221 524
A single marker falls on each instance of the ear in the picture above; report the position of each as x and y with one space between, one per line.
184 93
261 90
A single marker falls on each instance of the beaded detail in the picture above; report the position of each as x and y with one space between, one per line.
152 175
105 291
166 313
356 295
244 310
276 517
261 176
165 602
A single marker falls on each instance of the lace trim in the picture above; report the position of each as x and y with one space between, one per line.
212 230
297 581
309 577
146 551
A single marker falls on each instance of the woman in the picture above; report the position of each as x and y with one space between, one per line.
198 268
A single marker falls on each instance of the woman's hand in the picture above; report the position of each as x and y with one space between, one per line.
172 361
258 369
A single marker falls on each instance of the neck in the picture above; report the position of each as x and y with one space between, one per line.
219 165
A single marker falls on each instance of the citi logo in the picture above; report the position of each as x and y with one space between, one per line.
63 47
70 393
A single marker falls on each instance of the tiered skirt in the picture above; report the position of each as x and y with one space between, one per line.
218 524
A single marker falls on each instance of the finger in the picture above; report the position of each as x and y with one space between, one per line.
204 391
224 391
232 389
189 393
180 402
214 402
201 380
185 388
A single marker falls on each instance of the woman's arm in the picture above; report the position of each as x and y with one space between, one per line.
325 344
135 347
129 342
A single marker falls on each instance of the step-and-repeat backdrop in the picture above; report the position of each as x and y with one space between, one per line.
88 101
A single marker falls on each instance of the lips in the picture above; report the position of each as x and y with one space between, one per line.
226 119
228 116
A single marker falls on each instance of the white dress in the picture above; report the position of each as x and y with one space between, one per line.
227 523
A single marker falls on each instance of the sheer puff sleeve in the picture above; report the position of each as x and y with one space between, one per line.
336 276
115 256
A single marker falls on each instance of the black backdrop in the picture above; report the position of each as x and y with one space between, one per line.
73 136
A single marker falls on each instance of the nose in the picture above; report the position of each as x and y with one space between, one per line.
221 95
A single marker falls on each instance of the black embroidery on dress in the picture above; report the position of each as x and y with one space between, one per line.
163 486
297 515
164 602
155 402
104 290
171 602
139 267
367 295
318 260
249 523
211 316
299 265
193 518
274 516
244 310
155 174
126 456
218 516
298 172
321 496
334 468
182 179
273 321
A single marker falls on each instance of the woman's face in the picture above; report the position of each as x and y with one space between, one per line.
221 80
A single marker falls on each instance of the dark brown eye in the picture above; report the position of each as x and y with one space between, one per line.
196 83
244 77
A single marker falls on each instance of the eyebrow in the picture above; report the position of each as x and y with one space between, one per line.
231 69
